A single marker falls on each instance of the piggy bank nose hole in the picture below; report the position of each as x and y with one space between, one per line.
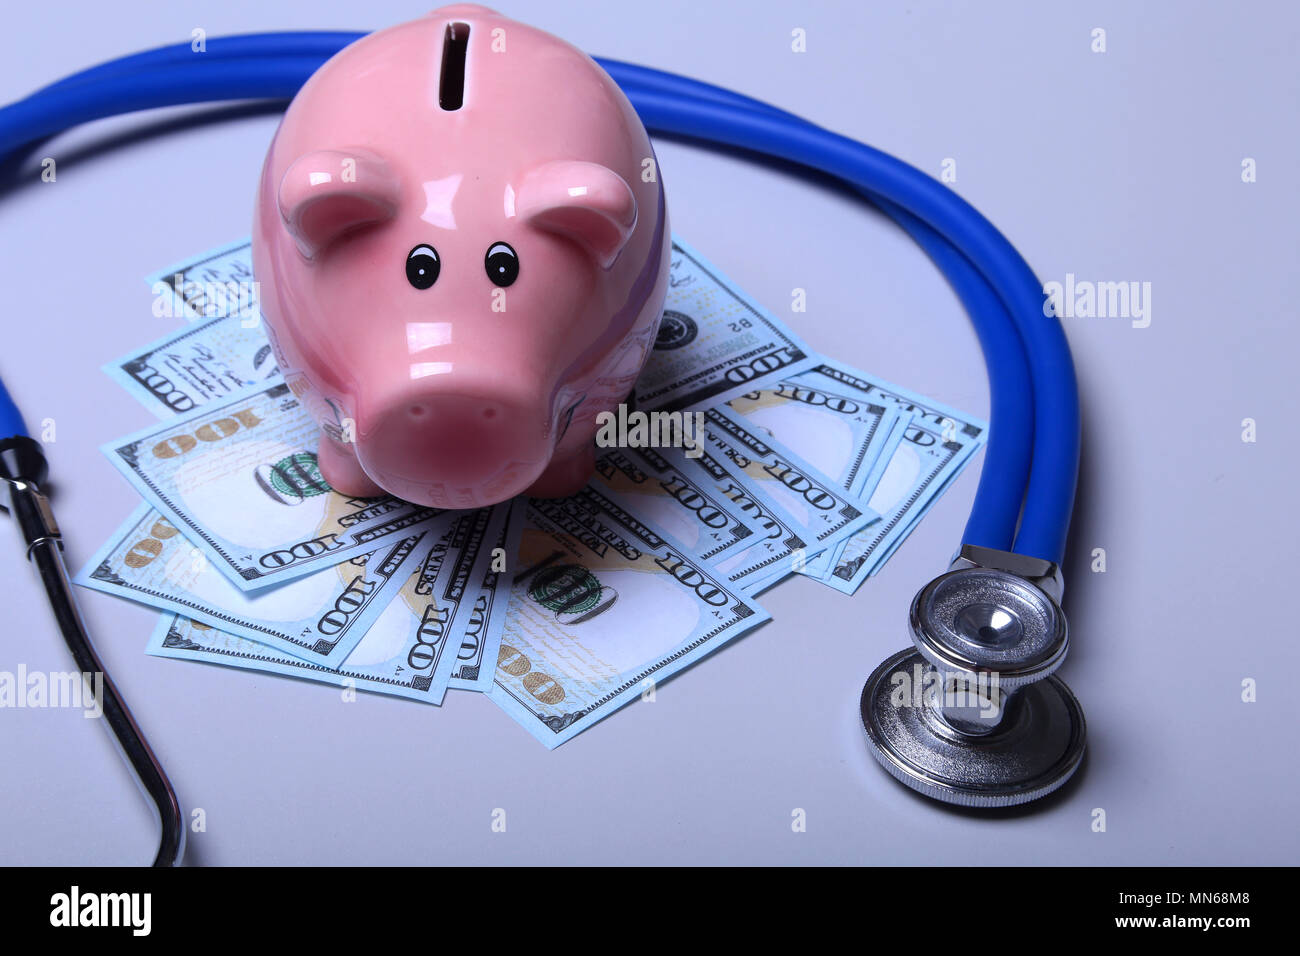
489 413
418 411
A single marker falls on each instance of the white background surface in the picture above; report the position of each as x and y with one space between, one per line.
1122 166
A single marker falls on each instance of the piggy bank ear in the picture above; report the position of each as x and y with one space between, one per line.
587 202
327 193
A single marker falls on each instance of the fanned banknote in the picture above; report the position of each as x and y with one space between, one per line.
239 477
820 566
655 489
714 341
839 436
938 443
600 605
475 536
407 652
480 634
210 285
845 438
820 509
415 646
192 366
181 638
780 548
319 618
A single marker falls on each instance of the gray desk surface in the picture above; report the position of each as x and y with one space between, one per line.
1115 166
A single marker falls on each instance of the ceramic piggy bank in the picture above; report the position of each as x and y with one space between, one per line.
462 249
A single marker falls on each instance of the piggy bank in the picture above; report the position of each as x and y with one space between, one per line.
462 250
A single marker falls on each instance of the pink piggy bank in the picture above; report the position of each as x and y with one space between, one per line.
462 248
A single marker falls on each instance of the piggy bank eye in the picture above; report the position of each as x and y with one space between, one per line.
502 264
422 267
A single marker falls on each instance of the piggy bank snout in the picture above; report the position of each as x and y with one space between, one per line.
454 450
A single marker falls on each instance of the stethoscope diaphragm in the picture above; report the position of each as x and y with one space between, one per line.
1034 749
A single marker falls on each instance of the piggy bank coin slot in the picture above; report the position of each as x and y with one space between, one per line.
455 47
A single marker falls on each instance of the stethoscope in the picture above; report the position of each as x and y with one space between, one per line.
973 714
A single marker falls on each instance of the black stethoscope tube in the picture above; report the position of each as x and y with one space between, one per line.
22 466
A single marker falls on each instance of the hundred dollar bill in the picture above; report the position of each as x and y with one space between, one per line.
714 341
839 436
480 635
780 549
821 510
414 647
407 652
845 438
181 638
194 365
318 618
239 477
890 445
937 444
649 485
210 285
600 605
474 534
820 566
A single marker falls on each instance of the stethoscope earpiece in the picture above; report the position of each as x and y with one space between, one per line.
974 715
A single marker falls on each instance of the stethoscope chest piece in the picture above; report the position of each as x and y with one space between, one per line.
973 715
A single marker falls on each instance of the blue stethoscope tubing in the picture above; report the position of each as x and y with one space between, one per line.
1027 485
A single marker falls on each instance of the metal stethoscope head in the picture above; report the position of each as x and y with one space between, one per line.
974 715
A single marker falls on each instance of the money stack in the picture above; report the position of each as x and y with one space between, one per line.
769 460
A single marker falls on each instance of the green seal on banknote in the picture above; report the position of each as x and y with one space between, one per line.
566 589
297 476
